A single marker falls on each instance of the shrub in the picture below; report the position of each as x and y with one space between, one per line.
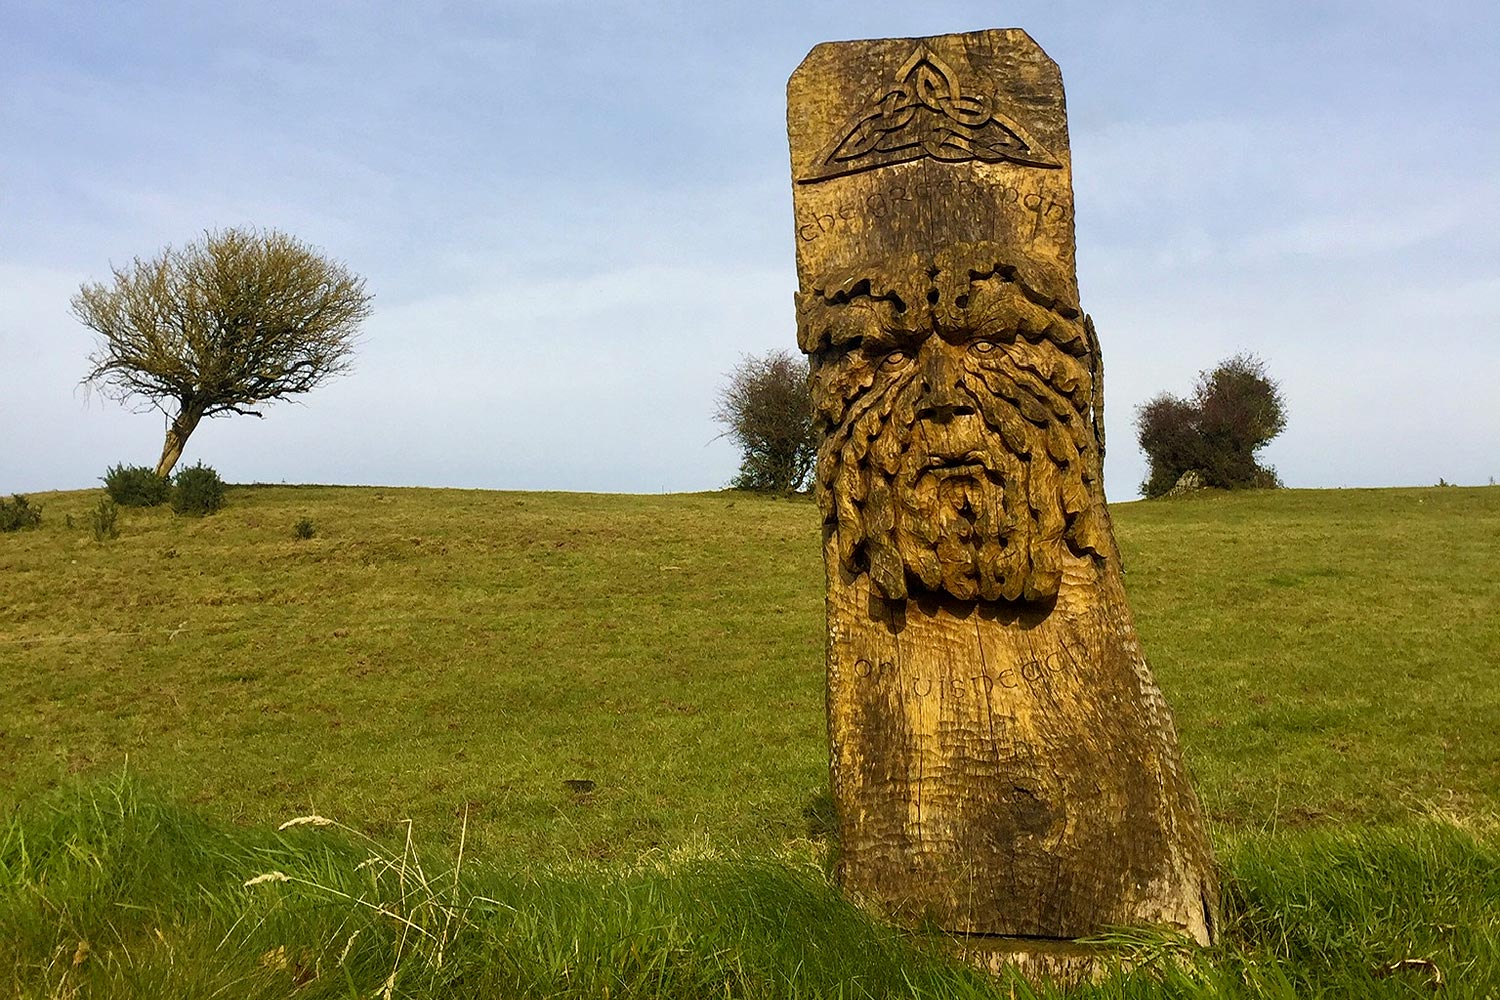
767 410
103 519
303 528
1235 410
197 490
135 486
17 513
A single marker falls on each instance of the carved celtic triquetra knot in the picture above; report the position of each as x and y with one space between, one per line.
925 113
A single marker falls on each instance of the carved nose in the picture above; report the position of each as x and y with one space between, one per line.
941 398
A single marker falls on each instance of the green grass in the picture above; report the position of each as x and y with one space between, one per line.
436 654
1330 655
430 650
109 891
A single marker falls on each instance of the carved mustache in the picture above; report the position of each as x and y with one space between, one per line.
973 457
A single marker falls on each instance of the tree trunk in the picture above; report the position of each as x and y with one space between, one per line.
1003 763
178 431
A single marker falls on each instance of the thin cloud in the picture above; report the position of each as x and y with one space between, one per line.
572 235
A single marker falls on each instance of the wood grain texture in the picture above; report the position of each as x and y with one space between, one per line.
1003 762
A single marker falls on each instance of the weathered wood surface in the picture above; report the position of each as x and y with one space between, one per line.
1003 762
914 97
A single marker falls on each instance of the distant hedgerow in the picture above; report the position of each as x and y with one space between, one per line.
135 486
197 491
17 513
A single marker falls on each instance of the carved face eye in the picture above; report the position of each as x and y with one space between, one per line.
895 359
983 346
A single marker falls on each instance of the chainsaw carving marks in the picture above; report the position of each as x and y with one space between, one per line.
960 451
924 112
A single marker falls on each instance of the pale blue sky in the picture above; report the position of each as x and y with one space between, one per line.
576 217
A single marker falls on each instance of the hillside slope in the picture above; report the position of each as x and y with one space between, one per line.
1330 655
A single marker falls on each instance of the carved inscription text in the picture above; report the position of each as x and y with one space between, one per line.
1040 211
980 684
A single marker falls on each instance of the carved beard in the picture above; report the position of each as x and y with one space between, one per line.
985 505
952 529
995 526
971 470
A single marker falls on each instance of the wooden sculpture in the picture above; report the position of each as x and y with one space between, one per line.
1003 762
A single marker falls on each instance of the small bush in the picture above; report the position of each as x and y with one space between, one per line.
17 513
767 410
197 491
303 528
104 520
135 486
1235 410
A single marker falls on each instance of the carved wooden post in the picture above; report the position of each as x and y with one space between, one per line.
1003 762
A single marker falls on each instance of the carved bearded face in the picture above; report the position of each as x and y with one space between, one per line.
956 403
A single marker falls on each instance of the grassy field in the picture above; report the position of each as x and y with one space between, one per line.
429 651
470 660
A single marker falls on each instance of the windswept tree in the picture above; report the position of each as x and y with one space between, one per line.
239 318
766 410
1235 410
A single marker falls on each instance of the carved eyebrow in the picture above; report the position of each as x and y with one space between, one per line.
880 339
1011 310
1027 282
844 326
860 288
854 340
